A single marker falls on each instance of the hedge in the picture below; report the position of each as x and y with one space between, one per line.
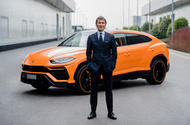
135 28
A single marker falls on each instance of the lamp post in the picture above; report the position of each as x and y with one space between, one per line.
137 15
123 9
149 26
172 16
128 12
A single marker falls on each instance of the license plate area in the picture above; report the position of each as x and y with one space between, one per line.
31 76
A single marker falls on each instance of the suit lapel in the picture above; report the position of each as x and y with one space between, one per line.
105 36
96 36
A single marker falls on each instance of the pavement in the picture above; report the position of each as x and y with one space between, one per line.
135 101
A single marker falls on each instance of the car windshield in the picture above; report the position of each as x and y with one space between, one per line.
77 40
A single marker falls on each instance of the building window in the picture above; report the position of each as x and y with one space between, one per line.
160 19
31 28
53 29
46 29
42 29
4 27
24 28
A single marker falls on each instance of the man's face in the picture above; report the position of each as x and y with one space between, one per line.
101 24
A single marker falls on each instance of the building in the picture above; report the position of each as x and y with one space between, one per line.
136 20
161 8
34 20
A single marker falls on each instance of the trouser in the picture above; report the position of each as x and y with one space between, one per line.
107 78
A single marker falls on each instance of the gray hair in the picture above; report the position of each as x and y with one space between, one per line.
101 18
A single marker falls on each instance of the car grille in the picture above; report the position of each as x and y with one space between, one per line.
58 74
34 68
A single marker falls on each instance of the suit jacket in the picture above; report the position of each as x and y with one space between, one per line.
101 53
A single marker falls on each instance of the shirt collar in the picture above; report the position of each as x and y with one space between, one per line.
103 32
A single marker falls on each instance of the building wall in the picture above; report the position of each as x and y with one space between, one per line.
155 5
30 20
180 11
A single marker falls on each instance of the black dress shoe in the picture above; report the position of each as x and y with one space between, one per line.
112 116
92 115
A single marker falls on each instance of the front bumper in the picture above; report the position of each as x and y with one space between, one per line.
42 78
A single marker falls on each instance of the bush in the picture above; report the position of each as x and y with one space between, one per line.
163 27
135 28
181 22
145 26
156 30
169 31
125 28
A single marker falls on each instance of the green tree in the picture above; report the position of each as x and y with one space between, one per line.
169 30
145 26
163 27
181 22
156 30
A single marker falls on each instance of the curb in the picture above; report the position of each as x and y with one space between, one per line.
24 44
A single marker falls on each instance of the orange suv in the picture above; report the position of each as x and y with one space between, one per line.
139 55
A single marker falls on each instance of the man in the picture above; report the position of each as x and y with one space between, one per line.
101 59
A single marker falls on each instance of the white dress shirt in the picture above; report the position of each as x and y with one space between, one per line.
103 34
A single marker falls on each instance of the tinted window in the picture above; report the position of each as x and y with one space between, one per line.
130 39
136 38
120 39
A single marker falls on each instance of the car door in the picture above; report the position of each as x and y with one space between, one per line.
131 53
137 46
123 58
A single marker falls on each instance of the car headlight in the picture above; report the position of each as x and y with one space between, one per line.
62 60
26 56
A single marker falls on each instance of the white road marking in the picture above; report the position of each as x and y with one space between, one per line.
180 54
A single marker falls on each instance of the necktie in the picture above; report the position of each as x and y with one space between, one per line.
101 39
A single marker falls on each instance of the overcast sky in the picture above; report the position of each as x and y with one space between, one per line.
88 10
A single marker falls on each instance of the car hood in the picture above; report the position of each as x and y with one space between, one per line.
42 57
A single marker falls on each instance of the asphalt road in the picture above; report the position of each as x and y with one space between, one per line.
135 102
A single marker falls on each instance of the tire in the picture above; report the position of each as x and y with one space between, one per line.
157 72
83 80
40 86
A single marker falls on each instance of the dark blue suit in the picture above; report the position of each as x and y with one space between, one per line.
101 59
103 52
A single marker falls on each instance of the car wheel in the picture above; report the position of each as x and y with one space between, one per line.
157 72
83 80
41 86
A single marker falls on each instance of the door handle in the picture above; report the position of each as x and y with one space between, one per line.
126 54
